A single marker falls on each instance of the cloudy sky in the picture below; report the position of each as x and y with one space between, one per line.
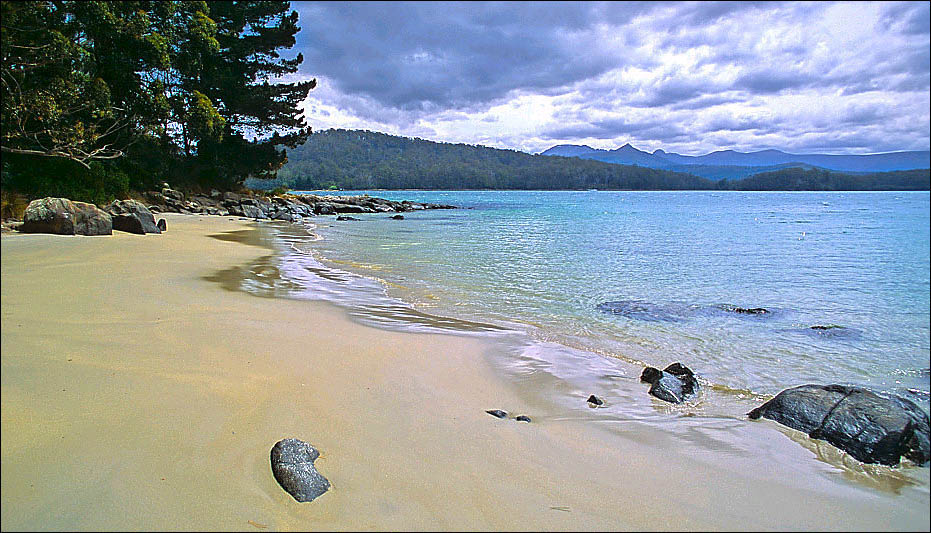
844 78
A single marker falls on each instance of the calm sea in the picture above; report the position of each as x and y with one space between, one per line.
601 283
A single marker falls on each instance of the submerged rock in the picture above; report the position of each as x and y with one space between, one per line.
872 428
293 468
398 217
745 310
343 217
61 216
497 413
647 311
676 383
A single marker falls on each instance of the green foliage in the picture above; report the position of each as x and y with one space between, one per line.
187 80
99 184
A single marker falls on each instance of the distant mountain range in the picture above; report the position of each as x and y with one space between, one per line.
735 165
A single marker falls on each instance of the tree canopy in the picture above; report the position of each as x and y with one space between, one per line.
184 91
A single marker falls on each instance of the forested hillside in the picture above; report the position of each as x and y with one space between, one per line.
351 159
355 159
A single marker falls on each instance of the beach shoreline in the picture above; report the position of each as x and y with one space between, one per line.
137 393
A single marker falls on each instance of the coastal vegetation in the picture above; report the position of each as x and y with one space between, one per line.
355 159
100 99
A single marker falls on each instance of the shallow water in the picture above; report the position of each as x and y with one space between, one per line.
585 288
677 260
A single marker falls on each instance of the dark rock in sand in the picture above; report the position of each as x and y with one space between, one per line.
293 468
522 418
132 217
64 217
872 428
594 400
676 383
162 225
497 413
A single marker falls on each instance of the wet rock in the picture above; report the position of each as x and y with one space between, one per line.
162 225
293 467
596 401
398 217
132 217
522 418
745 310
871 427
676 383
342 217
61 216
497 413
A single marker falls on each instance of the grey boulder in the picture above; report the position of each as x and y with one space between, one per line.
132 217
872 428
64 217
293 468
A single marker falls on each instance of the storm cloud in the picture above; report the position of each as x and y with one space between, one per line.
688 77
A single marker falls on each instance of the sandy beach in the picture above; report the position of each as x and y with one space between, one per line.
138 394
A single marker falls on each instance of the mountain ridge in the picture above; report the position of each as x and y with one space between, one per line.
630 155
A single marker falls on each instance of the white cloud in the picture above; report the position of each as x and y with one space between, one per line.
685 77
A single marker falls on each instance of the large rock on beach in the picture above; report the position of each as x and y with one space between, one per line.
871 427
131 216
675 383
293 468
64 217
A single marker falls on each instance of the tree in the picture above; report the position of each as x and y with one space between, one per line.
176 86
238 80
53 104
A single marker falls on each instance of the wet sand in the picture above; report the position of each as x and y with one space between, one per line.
139 393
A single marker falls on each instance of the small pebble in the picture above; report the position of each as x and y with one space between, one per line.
497 413
595 400
522 418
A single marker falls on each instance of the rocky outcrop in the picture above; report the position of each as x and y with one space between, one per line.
287 207
132 216
675 383
64 217
872 428
293 467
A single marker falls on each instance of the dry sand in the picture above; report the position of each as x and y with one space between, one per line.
138 395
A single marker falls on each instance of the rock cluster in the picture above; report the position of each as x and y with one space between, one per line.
62 216
287 207
675 383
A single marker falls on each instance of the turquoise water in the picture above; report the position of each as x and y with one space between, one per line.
671 264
